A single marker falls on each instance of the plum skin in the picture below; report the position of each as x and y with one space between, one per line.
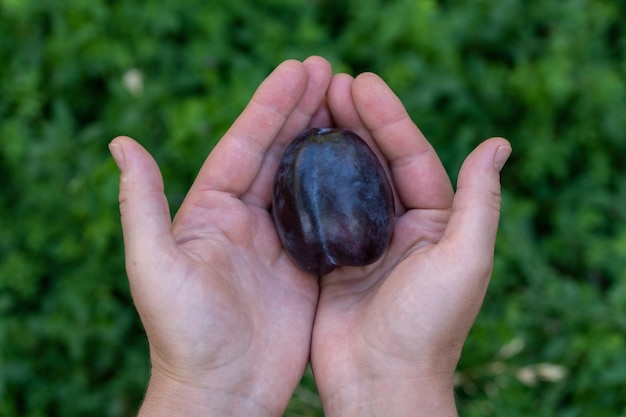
332 204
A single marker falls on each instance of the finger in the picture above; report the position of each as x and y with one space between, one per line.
313 105
341 104
319 74
419 176
236 159
346 116
321 117
144 209
312 102
344 111
473 223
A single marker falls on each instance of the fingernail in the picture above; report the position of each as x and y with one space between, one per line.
118 154
502 155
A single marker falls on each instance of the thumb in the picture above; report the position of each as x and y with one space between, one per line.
146 221
476 207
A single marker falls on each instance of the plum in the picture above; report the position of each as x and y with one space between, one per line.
333 204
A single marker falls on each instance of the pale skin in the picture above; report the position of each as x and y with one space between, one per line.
232 322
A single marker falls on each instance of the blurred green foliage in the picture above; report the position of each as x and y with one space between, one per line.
549 75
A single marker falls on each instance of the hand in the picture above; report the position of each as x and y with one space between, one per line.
388 336
227 314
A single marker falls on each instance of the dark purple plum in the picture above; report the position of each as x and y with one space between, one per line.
333 203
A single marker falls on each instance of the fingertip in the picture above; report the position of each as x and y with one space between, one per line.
377 104
318 61
369 87
340 89
491 154
320 75
368 77
117 147
498 141
502 153
290 74
117 152
294 66
121 139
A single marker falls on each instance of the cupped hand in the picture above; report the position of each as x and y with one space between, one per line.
227 314
388 336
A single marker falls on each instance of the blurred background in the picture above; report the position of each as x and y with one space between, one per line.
549 75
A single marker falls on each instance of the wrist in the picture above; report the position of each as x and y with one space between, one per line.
392 397
169 397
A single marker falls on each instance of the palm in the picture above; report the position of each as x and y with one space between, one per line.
214 289
232 279
398 311
397 316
